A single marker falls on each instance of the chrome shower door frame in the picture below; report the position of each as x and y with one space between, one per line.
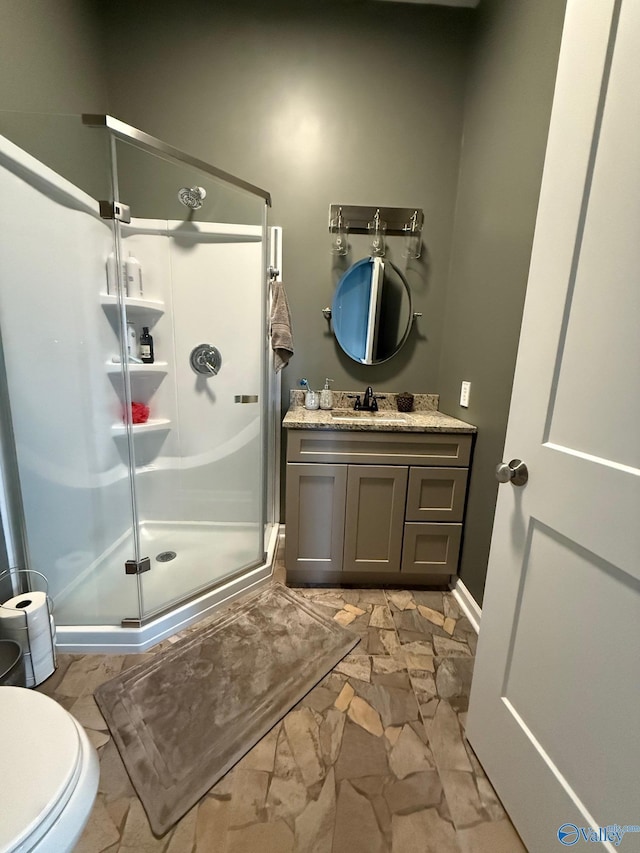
143 140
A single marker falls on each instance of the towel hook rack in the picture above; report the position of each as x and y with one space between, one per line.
399 220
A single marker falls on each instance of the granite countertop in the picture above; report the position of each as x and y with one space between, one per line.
425 416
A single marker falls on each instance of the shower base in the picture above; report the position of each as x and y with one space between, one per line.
207 571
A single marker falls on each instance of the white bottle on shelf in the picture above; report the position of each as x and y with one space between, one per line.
112 275
134 277
132 340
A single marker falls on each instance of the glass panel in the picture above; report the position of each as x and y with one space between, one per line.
65 145
57 332
195 256
272 407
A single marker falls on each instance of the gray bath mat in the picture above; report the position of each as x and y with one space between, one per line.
181 720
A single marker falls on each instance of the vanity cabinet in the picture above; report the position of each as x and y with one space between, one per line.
375 506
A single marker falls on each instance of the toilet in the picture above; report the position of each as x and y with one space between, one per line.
49 776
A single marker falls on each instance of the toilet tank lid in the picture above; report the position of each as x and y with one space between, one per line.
40 755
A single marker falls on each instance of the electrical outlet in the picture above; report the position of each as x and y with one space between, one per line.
465 390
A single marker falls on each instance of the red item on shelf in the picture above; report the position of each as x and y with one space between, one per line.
139 413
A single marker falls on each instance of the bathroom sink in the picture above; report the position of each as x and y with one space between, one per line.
356 416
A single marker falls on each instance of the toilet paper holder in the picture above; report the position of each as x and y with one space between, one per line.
27 618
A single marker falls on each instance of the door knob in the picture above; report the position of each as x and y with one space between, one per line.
515 472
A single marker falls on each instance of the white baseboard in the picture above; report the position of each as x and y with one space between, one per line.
467 602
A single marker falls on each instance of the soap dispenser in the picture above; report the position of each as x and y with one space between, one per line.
326 395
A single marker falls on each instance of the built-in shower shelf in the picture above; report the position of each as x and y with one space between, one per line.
133 306
152 425
139 369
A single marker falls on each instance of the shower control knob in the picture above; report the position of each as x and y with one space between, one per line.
205 359
515 472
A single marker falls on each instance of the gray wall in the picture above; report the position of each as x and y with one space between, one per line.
53 70
52 58
508 104
359 103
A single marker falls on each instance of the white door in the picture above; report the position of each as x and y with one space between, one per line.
555 703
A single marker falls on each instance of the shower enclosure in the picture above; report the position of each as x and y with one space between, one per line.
144 492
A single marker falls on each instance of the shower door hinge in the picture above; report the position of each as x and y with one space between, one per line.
137 567
115 210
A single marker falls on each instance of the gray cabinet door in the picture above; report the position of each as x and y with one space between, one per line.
315 516
376 496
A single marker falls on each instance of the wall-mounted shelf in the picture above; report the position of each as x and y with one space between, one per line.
152 425
139 369
133 306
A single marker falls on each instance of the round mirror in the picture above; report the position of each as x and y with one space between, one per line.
372 311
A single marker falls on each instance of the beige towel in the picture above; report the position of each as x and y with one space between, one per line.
281 334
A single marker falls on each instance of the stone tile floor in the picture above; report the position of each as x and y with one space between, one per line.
372 760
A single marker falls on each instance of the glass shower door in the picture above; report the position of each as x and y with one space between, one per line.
73 490
193 257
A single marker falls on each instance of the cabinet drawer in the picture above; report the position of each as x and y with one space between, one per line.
431 548
379 448
436 494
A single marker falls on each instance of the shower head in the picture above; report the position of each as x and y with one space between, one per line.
192 196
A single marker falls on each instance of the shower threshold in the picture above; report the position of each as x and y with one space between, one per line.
135 635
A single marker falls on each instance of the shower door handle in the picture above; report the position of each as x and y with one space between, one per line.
246 398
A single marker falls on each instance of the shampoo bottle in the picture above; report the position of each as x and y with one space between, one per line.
112 275
132 340
134 277
326 395
146 346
